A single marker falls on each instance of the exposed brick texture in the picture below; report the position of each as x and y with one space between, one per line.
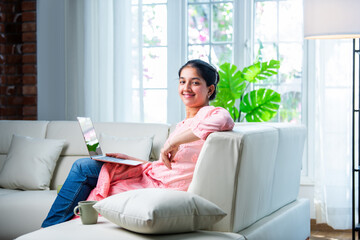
18 70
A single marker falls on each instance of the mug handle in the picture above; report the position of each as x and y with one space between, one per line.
76 212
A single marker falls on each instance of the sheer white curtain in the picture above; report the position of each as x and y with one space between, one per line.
332 132
98 59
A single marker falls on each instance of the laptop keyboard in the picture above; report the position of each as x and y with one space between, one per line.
116 160
109 158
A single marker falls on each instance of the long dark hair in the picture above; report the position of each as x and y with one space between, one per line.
206 71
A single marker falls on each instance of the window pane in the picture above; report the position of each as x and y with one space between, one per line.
266 21
272 42
154 25
198 1
199 52
291 62
221 54
290 20
265 53
155 103
222 22
290 108
155 67
153 1
268 51
198 31
135 104
135 83
135 48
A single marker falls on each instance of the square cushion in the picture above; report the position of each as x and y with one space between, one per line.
30 163
138 147
159 211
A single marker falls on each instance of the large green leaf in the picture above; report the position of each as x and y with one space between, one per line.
223 99
260 71
231 81
234 112
260 105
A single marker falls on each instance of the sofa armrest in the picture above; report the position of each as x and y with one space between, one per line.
235 171
219 157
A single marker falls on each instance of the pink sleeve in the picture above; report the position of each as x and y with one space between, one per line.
212 120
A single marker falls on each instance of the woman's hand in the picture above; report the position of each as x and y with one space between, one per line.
168 153
124 156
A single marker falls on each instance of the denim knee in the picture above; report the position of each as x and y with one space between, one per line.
78 164
86 167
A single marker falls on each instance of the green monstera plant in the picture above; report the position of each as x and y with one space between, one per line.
259 105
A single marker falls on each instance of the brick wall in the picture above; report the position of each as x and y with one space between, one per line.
18 75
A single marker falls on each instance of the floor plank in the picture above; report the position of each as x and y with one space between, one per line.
325 232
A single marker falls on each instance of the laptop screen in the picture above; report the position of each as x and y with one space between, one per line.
91 141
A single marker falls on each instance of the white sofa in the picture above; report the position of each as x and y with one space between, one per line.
252 173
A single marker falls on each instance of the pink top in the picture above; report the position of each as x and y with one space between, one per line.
116 178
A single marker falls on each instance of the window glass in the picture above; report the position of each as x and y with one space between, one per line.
153 1
154 73
222 24
149 63
290 20
266 21
210 31
154 25
221 53
199 51
277 36
155 105
198 18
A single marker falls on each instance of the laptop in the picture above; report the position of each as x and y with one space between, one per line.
93 144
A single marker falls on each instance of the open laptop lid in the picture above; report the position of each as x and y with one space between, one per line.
88 130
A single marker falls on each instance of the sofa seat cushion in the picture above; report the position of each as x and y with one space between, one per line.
5 191
289 222
104 229
23 211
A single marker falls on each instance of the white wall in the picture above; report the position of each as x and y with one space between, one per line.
307 191
51 59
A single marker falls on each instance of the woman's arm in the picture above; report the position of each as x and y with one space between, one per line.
171 147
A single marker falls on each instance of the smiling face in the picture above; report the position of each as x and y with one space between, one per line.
193 90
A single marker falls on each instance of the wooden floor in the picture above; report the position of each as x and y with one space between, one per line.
319 235
324 232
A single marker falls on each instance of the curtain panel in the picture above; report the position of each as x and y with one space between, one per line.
98 59
332 135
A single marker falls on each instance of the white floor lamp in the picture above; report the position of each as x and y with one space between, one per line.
336 19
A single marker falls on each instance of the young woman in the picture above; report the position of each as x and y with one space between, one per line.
92 180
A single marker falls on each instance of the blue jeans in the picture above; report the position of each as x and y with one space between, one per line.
81 180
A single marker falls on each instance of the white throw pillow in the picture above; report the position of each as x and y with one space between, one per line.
138 147
159 211
30 163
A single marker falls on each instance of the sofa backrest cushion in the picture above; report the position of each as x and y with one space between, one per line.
159 132
288 165
62 170
36 129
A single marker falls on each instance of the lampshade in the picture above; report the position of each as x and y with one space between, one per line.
331 19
